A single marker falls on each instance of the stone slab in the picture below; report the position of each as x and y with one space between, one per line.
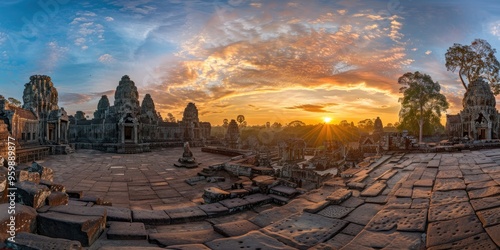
251 240
180 238
386 240
304 230
443 174
283 190
278 213
380 199
480 241
150 217
484 192
31 194
127 231
494 233
187 247
353 229
420 203
476 178
335 211
186 214
449 184
448 231
398 203
450 211
404 192
479 185
337 242
433 164
317 207
214 209
235 228
117 213
235 205
85 229
413 220
352 202
25 220
364 213
485 203
441 197
424 183
421 192
25 240
489 217
356 185
339 195
57 198
374 190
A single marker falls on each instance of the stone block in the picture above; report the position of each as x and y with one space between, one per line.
57 198
374 190
278 199
364 213
214 209
117 213
25 220
489 217
317 207
449 211
31 241
304 230
413 220
213 194
335 211
179 238
127 231
356 185
283 191
258 199
22 175
276 214
31 194
235 228
480 241
235 205
339 195
85 229
151 217
53 186
45 173
238 193
251 240
448 231
186 214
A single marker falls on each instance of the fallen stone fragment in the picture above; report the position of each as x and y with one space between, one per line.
150 217
179 238
235 205
235 228
57 198
127 231
304 230
448 231
213 194
25 240
31 194
25 220
214 209
251 240
339 195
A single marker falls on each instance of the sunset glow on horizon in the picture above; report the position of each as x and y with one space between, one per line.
271 61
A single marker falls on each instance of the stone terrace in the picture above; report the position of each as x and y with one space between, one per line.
404 201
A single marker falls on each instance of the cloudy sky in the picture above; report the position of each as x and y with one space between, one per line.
268 60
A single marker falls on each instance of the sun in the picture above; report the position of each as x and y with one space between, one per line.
327 119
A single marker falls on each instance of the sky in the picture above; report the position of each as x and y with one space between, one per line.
275 61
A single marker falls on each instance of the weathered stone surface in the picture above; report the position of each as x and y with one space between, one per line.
476 178
364 213
185 214
179 238
337 242
420 203
398 203
283 191
278 213
404 192
380 199
45 173
440 197
317 207
494 233
150 217
352 202
479 185
186 247
433 164
402 219
31 194
449 184
258 199
213 194
278 199
25 220
339 195
235 228
421 192
480 241
127 231
85 229
443 232
304 230
53 186
30 241
386 240
353 229
335 211
117 213
423 183
485 203
484 192
57 198
442 174
236 204
251 240
489 217
450 211
356 185
375 189
214 209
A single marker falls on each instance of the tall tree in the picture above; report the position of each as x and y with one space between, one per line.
170 118
225 123
240 119
473 61
422 102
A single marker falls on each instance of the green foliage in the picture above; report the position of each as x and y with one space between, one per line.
421 104
473 61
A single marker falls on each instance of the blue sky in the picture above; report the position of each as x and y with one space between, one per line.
268 60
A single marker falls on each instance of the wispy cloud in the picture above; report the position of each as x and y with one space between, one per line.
311 108
69 98
106 58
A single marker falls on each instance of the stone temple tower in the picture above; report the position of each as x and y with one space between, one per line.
102 107
127 98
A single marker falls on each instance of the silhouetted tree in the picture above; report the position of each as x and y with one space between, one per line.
473 61
422 103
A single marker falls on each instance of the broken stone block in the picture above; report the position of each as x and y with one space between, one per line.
238 193
278 199
339 195
151 217
213 194
185 214
215 179
77 194
22 175
31 194
236 204
34 177
25 240
214 209
117 213
235 228
85 229
90 198
53 186
45 172
251 240
57 198
24 220
127 231
317 207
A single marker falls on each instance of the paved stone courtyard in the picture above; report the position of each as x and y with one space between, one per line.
136 181
404 201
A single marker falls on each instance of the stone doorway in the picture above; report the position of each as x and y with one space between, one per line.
482 134
128 133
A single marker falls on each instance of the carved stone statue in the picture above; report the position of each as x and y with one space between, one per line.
187 160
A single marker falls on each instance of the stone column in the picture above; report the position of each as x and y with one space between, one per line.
135 133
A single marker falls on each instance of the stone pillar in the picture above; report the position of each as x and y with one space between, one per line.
135 133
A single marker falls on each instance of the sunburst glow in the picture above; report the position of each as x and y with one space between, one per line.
327 119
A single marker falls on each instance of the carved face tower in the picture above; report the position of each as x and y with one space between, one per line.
127 98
